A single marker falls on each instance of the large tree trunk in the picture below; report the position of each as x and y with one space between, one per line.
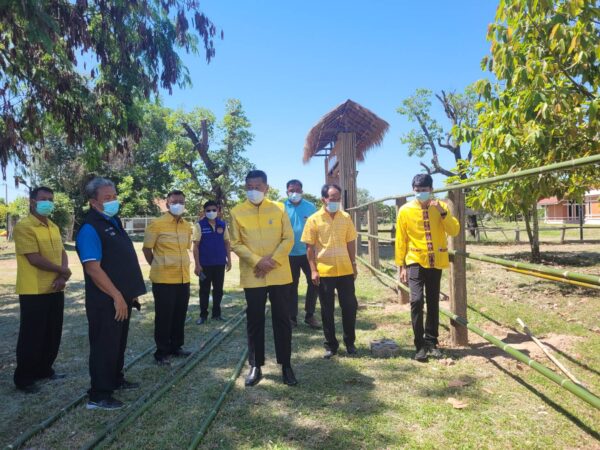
533 231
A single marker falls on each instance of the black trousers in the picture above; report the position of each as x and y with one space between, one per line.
256 299
297 264
170 306
424 283
215 276
108 339
40 330
348 304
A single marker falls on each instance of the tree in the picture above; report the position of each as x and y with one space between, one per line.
543 109
83 64
430 136
207 158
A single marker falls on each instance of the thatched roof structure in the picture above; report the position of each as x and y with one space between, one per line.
347 117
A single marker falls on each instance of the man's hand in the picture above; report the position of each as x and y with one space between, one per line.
315 278
403 275
228 266
266 264
59 283
198 270
120 307
65 273
354 270
437 205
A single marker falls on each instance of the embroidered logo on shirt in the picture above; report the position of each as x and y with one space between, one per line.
220 230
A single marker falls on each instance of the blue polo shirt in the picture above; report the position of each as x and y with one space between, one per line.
298 215
88 242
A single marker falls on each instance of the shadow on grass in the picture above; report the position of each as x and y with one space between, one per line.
573 360
558 408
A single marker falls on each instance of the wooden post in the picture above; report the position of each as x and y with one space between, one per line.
345 149
404 297
373 243
517 235
562 234
458 270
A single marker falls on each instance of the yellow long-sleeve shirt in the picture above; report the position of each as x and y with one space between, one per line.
258 231
422 235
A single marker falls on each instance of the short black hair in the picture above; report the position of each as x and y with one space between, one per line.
175 192
34 192
257 174
210 203
326 187
294 181
422 180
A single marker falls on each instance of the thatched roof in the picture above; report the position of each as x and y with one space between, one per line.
347 117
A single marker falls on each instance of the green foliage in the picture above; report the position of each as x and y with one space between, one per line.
430 136
127 50
543 108
63 211
313 199
212 166
19 207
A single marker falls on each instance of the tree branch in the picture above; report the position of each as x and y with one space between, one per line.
202 147
427 135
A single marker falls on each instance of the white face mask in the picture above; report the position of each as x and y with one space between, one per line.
333 206
255 196
211 215
295 197
176 209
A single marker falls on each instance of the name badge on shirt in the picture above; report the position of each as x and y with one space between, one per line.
220 230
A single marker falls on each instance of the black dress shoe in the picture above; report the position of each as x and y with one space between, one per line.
106 404
57 376
329 354
29 389
201 321
181 353
351 350
421 355
312 322
254 376
434 352
288 377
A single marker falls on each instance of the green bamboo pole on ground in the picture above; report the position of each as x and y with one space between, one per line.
565 165
215 409
584 278
580 392
142 404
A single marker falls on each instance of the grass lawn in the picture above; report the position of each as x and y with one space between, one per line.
346 402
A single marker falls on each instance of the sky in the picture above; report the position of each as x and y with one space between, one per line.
291 62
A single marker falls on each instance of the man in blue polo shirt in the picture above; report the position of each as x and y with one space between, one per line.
298 211
113 281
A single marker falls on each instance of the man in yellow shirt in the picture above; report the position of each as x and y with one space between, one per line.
422 230
331 250
166 244
262 237
42 273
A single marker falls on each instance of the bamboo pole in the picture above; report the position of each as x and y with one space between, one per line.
142 404
579 391
585 278
215 409
564 165
553 278
547 353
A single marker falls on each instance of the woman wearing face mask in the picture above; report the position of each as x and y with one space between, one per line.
422 231
212 256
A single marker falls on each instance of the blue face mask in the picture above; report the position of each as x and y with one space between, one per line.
111 208
423 196
44 207
333 206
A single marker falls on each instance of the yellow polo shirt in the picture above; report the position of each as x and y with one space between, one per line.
170 239
330 238
422 235
33 236
258 231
